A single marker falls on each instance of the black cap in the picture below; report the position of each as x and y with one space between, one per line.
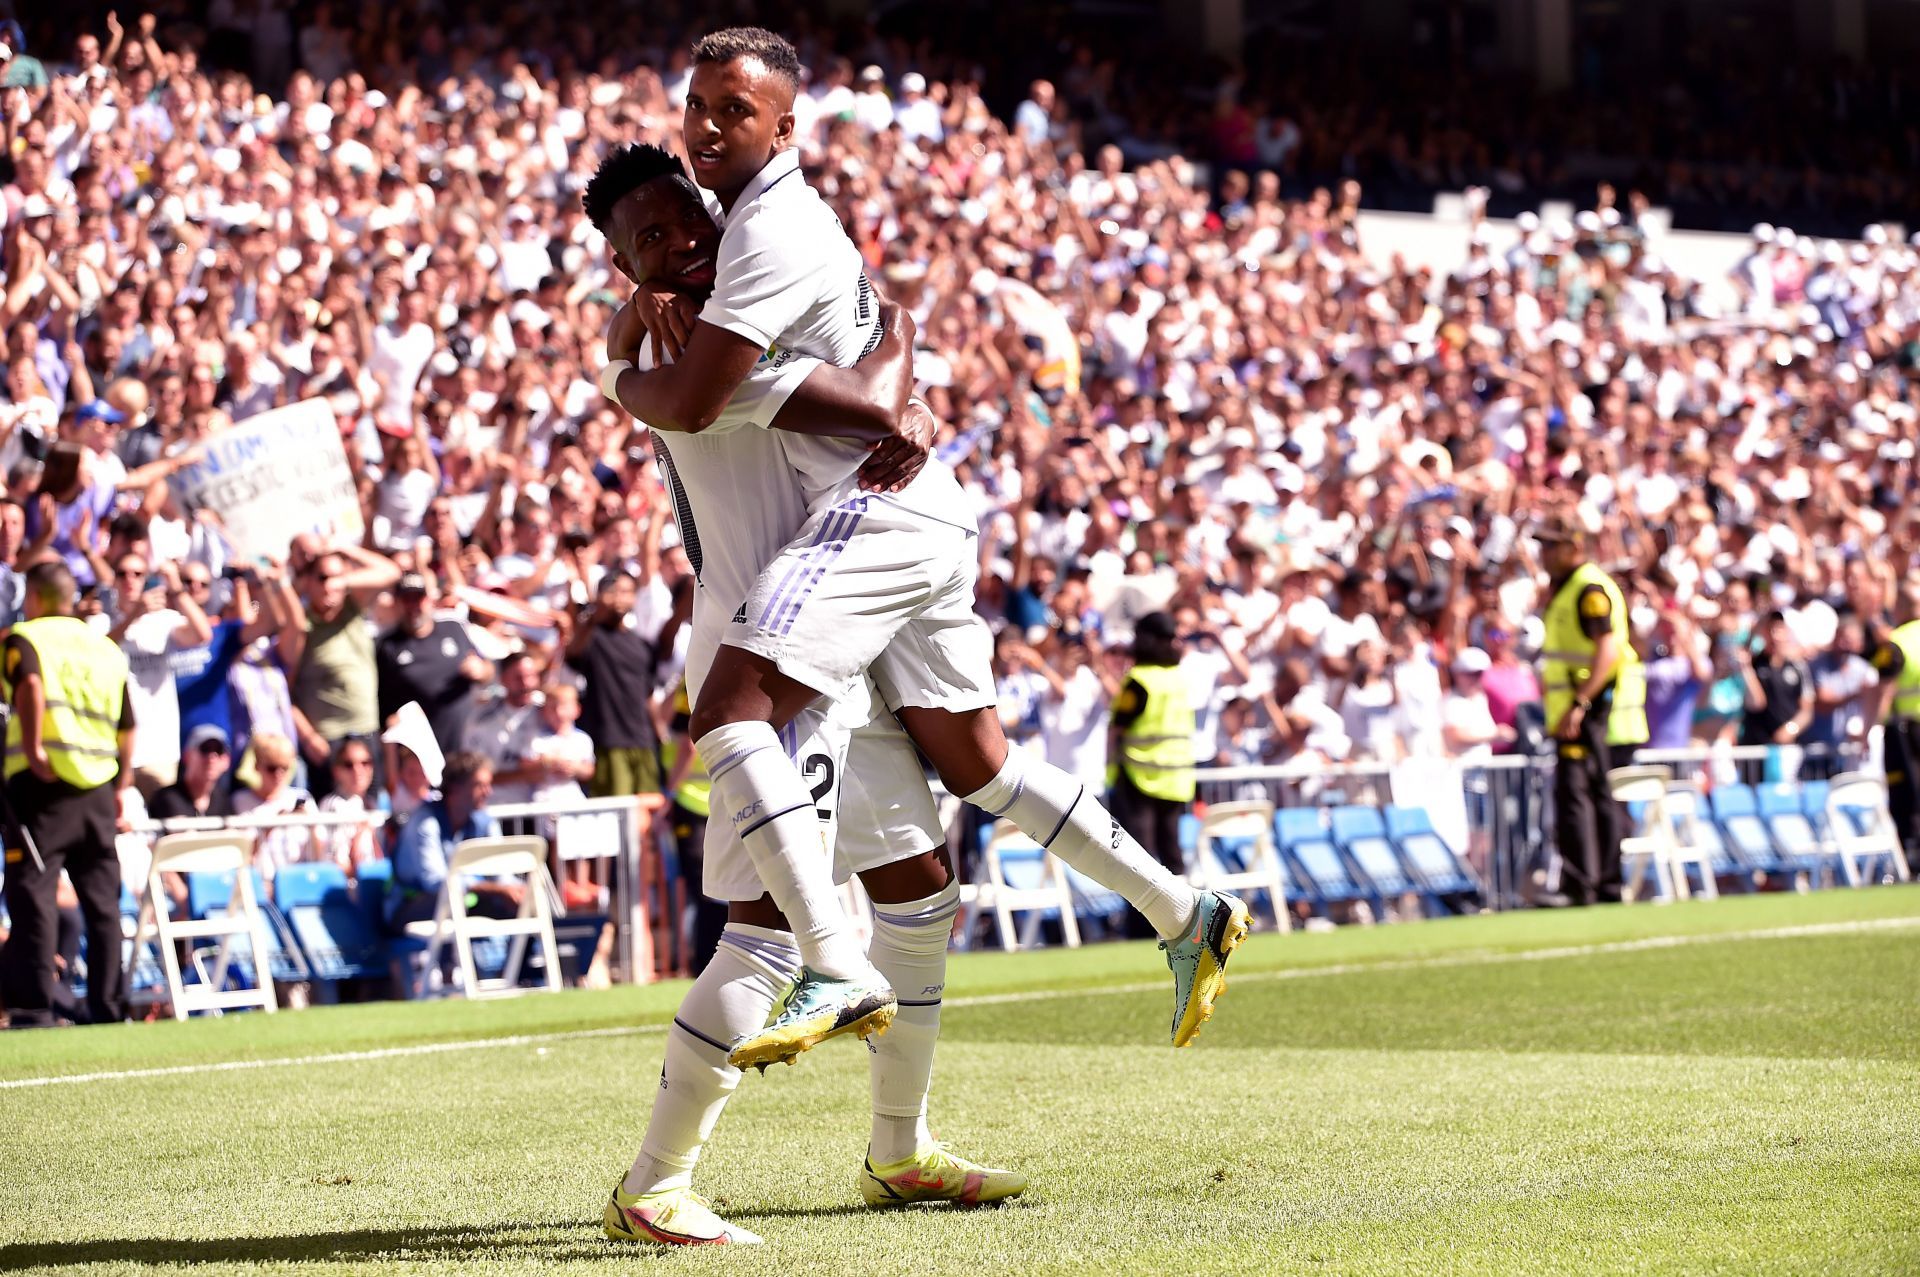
411 583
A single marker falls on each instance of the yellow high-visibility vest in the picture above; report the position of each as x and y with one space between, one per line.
1568 659
1156 749
1906 693
85 677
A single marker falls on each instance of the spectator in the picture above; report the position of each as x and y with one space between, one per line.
352 793
154 620
502 727
1466 717
1678 674
431 661
1780 699
1843 682
200 791
561 751
618 666
335 688
430 835
275 794
202 673
1508 682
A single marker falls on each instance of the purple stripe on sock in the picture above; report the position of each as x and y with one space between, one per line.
730 762
942 914
1019 788
684 1027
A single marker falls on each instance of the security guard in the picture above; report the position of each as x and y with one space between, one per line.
1895 653
68 756
1153 721
1596 703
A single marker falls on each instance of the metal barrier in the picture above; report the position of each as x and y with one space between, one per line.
603 838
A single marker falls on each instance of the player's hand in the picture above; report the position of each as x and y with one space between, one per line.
668 319
625 332
1570 724
898 458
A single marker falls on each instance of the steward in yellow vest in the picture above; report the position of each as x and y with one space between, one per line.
1153 724
68 755
1596 708
1896 655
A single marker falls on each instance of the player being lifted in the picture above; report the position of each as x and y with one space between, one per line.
878 582
738 501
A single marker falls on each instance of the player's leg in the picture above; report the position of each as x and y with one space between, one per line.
938 676
888 831
752 967
759 791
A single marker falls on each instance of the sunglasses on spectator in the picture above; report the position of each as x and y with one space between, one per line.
212 747
354 763
274 769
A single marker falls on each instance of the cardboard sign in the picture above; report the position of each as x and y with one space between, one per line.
272 477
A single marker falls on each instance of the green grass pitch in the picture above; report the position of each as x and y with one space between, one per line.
1728 1087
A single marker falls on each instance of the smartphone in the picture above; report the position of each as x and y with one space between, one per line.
154 582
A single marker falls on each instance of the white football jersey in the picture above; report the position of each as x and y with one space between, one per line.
788 279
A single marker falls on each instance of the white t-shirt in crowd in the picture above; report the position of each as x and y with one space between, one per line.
149 645
399 357
1074 728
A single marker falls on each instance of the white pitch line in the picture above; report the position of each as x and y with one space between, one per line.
1474 959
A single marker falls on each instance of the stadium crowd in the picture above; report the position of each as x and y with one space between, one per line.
1164 386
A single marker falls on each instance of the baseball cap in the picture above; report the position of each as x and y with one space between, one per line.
411 583
913 82
1156 625
207 734
1472 661
99 410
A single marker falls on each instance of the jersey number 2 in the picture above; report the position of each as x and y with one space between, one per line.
819 769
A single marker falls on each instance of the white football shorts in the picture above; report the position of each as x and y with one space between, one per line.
868 786
870 586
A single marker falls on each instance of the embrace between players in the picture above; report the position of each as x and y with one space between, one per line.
833 631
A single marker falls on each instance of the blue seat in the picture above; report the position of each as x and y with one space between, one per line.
332 928
1362 833
1319 871
1736 809
211 894
1436 865
1796 834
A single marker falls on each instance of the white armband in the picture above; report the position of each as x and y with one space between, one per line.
610 378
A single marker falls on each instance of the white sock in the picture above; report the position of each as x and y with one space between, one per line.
910 948
758 789
732 998
1064 816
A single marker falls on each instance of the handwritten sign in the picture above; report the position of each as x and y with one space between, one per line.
274 476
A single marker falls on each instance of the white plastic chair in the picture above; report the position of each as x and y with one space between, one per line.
1022 877
524 856
1649 850
223 852
1251 823
1691 845
1852 792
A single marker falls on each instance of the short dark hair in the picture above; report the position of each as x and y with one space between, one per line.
623 172
462 766
53 585
612 579
769 50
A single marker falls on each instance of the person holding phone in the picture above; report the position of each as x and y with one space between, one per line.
155 620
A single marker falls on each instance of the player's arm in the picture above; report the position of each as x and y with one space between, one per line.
689 394
864 402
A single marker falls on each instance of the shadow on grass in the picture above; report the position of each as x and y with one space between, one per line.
540 1241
